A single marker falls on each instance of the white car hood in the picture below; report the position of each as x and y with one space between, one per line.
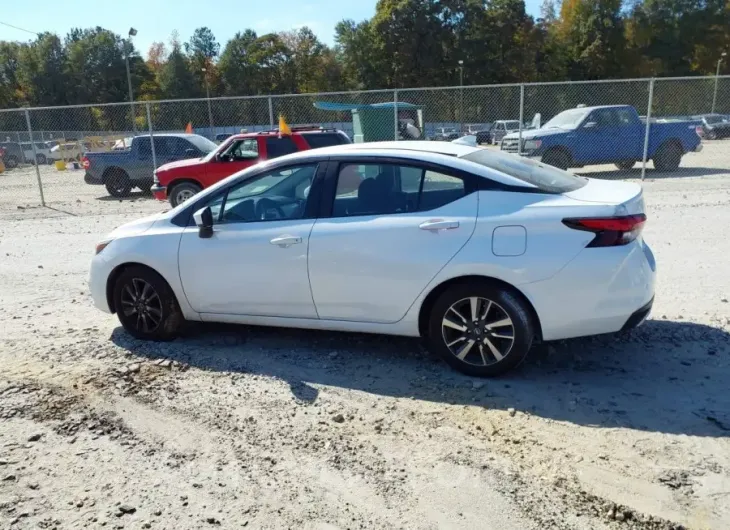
135 227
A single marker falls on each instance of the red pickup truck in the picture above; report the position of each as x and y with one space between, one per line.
178 181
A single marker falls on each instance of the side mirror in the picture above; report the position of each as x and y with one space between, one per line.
590 125
190 152
204 221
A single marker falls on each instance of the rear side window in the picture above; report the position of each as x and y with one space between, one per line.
276 147
546 178
316 140
381 189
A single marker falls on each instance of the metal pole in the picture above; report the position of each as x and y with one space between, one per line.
152 140
129 86
395 114
717 77
648 127
522 118
35 158
461 99
271 112
210 112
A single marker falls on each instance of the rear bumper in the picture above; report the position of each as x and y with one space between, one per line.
639 316
602 290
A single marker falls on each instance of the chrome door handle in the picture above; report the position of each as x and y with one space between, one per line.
435 225
286 241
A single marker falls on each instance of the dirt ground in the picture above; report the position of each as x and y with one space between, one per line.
232 427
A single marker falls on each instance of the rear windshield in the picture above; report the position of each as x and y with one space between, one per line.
547 178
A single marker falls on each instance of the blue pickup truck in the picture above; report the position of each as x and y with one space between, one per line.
122 170
606 135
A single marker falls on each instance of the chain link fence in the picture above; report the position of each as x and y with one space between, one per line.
680 128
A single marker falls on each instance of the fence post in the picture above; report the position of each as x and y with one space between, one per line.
271 112
35 157
152 141
395 114
648 127
522 118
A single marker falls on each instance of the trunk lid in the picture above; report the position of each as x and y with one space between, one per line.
627 196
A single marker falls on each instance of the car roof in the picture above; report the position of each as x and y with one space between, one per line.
294 131
447 154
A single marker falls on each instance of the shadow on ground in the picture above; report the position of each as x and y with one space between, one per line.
133 196
665 376
651 173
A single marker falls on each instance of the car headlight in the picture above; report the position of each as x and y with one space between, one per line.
102 245
531 145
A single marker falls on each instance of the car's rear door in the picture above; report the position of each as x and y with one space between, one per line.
388 228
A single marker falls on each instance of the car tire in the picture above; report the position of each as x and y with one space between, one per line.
667 157
626 165
41 160
557 158
489 350
712 135
146 305
183 192
118 183
11 161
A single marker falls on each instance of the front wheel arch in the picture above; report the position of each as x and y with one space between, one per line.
111 281
433 295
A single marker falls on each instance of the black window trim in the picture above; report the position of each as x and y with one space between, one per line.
327 200
185 217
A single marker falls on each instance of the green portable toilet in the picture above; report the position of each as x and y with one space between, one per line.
376 122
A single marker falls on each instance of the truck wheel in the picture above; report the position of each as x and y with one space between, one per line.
556 158
11 162
667 157
118 183
41 159
626 165
182 192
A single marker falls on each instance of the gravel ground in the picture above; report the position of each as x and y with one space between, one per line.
232 427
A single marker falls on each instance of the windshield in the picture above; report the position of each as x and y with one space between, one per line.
203 144
547 178
568 119
512 125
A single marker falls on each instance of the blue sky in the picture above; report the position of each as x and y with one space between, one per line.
156 19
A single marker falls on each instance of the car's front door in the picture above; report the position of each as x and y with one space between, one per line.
255 262
392 228
600 136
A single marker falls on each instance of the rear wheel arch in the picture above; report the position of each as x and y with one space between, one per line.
433 295
112 170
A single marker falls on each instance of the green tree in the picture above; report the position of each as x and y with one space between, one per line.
236 66
11 93
176 79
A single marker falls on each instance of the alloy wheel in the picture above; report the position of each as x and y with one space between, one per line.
478 331
183 195
141 305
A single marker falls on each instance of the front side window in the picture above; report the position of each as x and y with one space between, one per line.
276 195
239 150
276 147
378 189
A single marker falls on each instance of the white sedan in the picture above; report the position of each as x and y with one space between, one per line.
481 253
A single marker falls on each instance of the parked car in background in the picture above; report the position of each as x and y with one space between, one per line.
407 238
502 128
714 126
222 137
42 152
445 134
179 181
606 135
66 151
13 154
122 170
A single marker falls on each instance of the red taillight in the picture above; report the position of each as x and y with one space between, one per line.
700 131
85 162
610 231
